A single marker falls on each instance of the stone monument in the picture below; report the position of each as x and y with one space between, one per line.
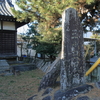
72 56
71 63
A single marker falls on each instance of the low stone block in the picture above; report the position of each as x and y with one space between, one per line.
97 85
47 98
83 98
67 95
32 98
47 91
3 63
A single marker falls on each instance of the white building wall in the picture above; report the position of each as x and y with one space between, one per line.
8 25
31 52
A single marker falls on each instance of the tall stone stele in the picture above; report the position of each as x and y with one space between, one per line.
72 57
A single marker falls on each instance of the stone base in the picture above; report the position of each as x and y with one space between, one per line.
51 94
5 68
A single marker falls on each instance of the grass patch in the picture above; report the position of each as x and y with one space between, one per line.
20 87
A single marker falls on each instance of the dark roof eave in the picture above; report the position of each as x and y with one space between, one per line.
7 18
12 19
19 24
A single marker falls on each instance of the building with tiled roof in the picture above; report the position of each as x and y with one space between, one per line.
8 31
5 8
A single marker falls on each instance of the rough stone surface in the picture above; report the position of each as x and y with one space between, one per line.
83 98
47 98
51 76
32 98
5 68
47 91
63 95
3 63
67 95
23 67
72 56
97 85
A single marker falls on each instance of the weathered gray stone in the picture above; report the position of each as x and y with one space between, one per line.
3 63
64 95
23 67
47 91
83 98
8 74
5 68
58 95
47 98
68 95
72 56
51 76
32 98
97 85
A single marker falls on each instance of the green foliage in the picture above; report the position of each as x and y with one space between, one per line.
48 14
89 51
90 17
34 41
48 49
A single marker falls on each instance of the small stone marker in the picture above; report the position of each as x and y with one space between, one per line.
47 98
97 85
83 98
3 63
68 95
72 64
4 68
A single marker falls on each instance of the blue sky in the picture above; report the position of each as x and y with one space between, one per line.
24 28
13 1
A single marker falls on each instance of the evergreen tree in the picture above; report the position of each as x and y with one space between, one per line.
48 14
32 37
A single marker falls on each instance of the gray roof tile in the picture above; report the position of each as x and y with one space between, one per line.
5 7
